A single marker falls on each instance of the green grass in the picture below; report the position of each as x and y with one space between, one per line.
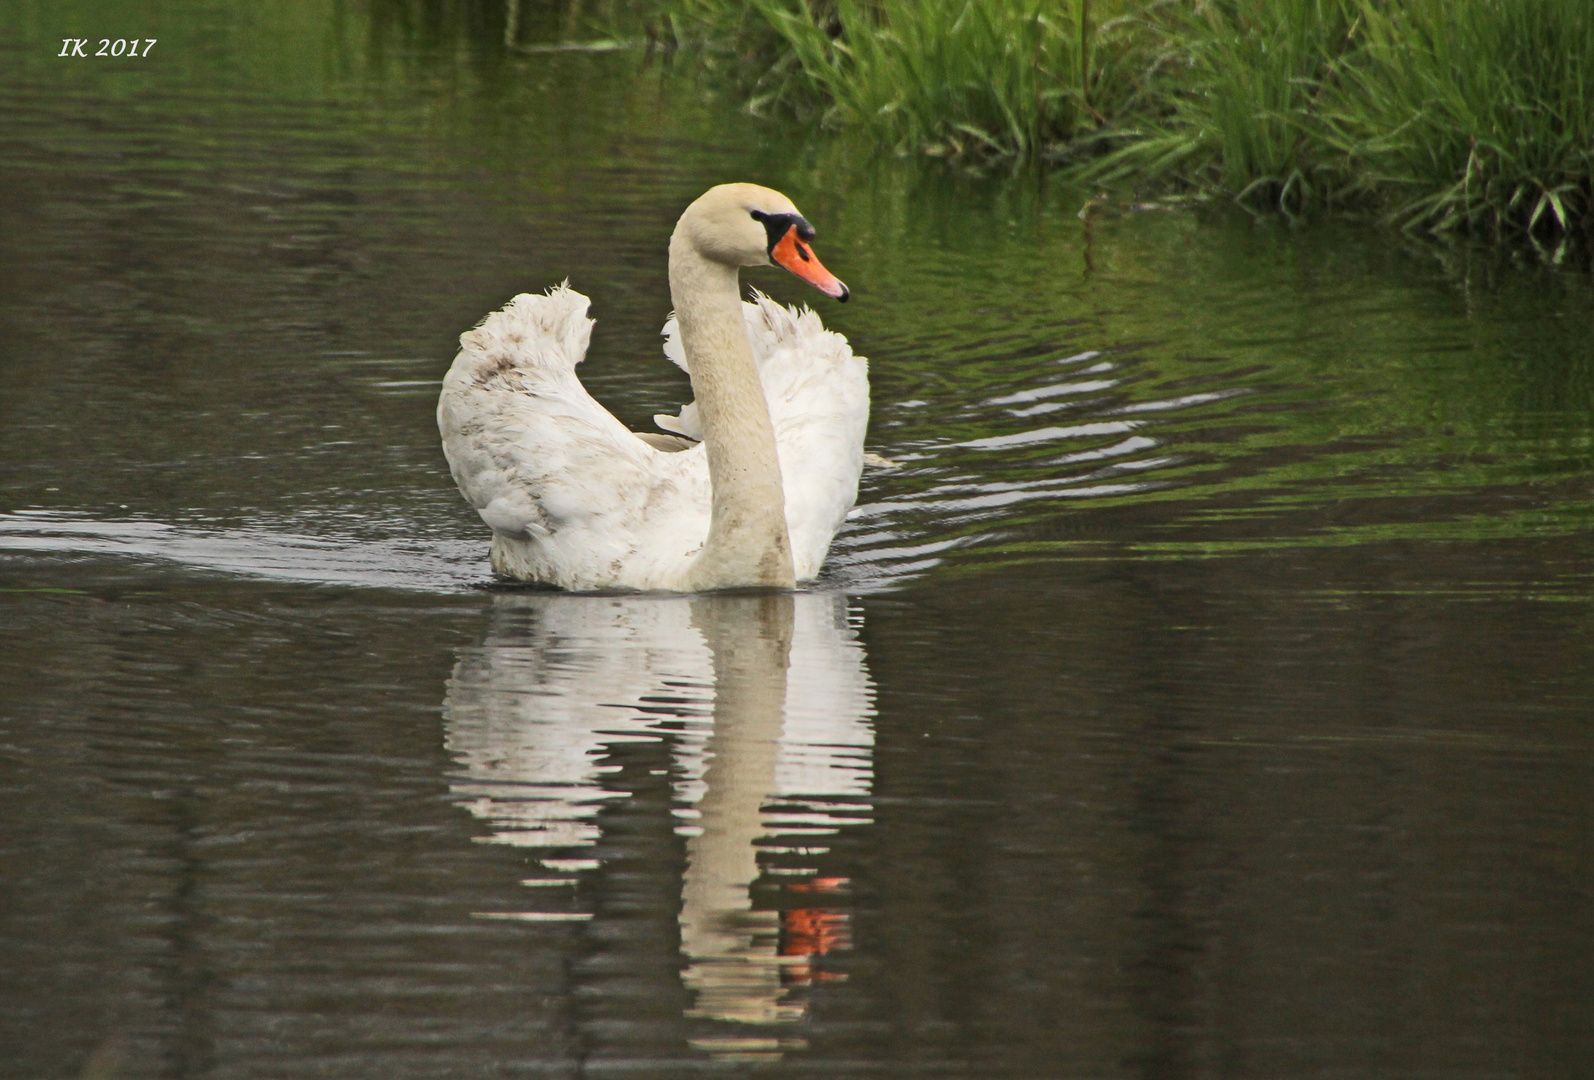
1444 114
1472 112
997 75
977 77
1235 103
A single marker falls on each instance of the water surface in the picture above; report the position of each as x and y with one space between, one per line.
1205 692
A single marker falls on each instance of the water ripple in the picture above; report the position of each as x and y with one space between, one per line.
431 565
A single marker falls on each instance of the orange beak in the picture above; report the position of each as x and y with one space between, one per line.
790 251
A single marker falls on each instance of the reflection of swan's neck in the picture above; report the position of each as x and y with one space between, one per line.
736 972
747 539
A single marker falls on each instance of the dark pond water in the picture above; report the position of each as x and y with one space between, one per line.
1206 693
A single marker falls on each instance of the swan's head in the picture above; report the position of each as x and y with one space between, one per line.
748 225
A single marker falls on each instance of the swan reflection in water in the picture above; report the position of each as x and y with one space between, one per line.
765 705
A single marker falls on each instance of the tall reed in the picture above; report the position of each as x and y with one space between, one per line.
1472 112
1447 113
1234 101
1001 77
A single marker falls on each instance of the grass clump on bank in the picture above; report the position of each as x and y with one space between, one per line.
1444 113
1235 101
1473 112
978 77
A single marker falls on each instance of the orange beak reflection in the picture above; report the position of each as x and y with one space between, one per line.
789 251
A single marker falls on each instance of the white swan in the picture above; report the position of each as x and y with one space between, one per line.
765 462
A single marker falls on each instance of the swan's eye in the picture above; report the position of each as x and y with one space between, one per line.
776 226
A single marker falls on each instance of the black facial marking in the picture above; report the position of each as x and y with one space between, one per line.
778 225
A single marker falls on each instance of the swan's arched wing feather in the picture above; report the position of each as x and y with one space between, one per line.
541 460
514 417
818 394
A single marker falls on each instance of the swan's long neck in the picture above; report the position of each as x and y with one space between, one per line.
747 541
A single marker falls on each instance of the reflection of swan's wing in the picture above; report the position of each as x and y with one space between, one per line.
827 744
530 710
824 761
818 394
582 499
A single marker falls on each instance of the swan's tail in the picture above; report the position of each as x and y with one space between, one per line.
536 335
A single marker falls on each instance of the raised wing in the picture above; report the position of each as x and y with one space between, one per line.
544 463
818 394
